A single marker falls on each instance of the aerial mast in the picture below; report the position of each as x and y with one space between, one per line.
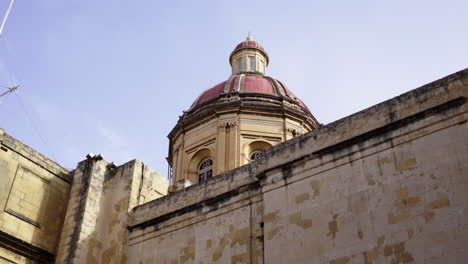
10 90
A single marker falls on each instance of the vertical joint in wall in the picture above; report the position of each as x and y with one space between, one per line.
78 217
141 183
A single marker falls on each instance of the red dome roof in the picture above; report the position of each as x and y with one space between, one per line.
249 84
250 44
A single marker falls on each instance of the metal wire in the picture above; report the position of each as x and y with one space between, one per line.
35 126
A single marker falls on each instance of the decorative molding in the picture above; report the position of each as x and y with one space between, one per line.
227 124
291 105
264 137
261 122
229 98
294 132
203 144
237 83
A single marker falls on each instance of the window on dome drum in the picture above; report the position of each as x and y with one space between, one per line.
256 155
239 65
262 66
252 63
205 170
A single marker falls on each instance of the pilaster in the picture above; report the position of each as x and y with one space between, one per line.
220 161
82 210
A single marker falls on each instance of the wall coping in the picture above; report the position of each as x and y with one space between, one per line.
34 156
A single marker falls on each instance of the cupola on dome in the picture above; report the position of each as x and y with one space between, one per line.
249 43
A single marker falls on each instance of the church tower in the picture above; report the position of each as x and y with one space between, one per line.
230 123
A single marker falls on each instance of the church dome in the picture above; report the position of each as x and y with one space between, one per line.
230 123
250 85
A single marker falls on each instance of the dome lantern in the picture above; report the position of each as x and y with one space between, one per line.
249 57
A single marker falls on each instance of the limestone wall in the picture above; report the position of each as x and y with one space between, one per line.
396 198
102 195
33 195
386 185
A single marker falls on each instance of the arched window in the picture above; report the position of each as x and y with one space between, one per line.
239 65
262 66
252 63
205 170
256 155
253 151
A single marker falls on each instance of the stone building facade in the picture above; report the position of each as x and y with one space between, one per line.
388 184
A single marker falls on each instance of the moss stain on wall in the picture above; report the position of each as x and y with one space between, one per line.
315 187
333 227
297 219
302 198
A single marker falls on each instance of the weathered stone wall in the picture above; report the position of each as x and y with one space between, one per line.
101 197
202 234
386 185
385 200
148 185
33 198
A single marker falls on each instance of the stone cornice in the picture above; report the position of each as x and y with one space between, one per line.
238 103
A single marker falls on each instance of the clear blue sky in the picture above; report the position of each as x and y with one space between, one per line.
112 77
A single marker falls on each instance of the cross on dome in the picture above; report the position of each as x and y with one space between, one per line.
249 37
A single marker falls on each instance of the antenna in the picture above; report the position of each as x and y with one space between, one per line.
10 90
6 16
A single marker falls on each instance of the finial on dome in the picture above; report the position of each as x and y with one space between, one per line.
249 37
